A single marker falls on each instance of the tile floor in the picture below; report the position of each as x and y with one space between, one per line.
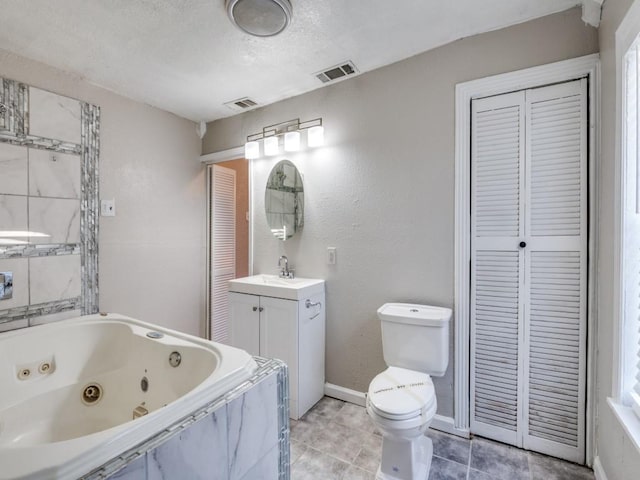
336 440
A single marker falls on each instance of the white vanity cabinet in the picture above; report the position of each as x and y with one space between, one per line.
290 327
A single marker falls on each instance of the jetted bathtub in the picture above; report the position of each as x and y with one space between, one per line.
77 393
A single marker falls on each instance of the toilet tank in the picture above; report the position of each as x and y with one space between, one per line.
416 337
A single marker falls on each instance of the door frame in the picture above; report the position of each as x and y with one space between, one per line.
207 160
589 67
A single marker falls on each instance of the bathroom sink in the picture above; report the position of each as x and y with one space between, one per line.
273 280
274 286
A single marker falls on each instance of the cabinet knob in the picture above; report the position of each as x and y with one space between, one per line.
261 309
255 309
523 244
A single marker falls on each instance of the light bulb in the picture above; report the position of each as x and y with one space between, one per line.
291 141
315 136
271 146
251 150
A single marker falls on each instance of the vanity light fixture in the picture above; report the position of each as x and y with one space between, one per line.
292 141
271 146
290 130
251 150
315 137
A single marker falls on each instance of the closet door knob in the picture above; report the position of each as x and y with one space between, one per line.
261 309
255 309
523 244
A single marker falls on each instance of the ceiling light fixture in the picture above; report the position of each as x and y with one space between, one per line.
290 130
261 18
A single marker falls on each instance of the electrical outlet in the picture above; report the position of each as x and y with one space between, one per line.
108 208
331 256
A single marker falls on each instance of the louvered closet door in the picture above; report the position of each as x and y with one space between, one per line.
498 147
223 248
556 261
528 268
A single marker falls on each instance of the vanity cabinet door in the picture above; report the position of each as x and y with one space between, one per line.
244 315
279 339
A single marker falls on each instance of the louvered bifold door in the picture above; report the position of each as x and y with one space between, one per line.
555 263
223 248
497 224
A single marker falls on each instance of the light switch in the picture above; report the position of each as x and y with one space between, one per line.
108 208
331 256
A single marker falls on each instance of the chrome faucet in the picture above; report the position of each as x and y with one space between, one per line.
284 271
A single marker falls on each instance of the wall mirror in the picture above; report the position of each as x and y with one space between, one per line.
284 200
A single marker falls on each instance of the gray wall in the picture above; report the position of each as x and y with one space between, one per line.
152 254
619 457
381 191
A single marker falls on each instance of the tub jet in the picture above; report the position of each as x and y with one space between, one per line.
91 394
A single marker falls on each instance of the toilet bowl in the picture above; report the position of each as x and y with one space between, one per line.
401 401
402 404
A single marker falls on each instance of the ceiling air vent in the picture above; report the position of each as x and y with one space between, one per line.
337 72
241 104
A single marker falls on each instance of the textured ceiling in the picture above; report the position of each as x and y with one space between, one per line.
184 56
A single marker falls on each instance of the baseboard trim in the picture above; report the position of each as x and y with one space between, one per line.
345 394
598 470
440 422
448 425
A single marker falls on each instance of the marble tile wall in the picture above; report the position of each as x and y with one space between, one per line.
242 438
14 214
54 174
20 269
54 116
49 147
13 165
59 218
54 317
54 278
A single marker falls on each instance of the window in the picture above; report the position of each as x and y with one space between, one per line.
630 229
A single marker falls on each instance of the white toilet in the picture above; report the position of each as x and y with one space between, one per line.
401 400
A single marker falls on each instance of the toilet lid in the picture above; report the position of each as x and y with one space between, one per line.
398 392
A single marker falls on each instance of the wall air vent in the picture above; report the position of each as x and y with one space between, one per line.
241 104
335 73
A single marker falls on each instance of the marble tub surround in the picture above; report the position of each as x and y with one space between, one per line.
54 174
20 269
13 165
41 194
49 431
54 278
13 325
37 172
227 439
54 317
14 216
49 149
15 97
337 440
58 218
54 116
